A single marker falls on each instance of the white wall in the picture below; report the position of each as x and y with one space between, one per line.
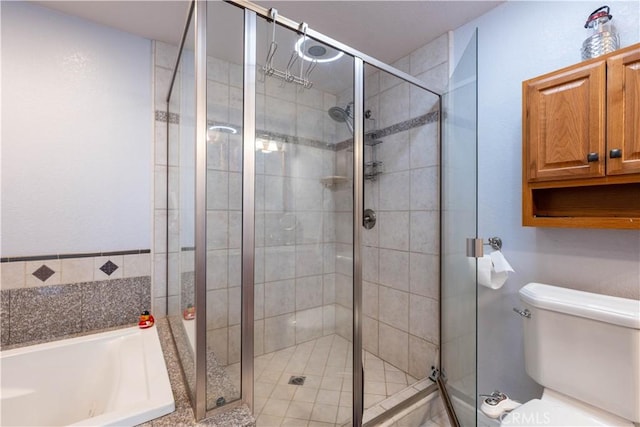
76 135
517 41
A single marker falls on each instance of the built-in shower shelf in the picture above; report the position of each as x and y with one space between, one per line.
333 181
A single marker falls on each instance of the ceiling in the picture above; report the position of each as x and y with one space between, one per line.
386 30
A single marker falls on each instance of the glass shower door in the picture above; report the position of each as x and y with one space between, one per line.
223 202
180 203
303 230
459 222
400 259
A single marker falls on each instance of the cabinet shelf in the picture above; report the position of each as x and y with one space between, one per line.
621 200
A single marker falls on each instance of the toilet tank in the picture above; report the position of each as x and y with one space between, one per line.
584 345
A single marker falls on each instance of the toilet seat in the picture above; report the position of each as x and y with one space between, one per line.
551 412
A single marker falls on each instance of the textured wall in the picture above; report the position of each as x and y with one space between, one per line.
517 41
76 151
76 135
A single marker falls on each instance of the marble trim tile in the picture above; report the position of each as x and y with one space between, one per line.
12 275
431 117
29 271
162 116
42 273
108 268
77 270
406 125
137 265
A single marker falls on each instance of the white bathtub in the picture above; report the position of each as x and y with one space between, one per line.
107 379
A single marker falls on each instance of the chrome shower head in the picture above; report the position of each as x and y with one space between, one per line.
342 115
338 114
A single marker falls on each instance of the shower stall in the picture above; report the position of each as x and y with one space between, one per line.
317 214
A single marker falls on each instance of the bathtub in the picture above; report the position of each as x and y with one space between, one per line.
106 379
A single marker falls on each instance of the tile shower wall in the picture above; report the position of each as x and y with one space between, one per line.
295 214
166 161
401 254
295 217
224 206
294 248
303 247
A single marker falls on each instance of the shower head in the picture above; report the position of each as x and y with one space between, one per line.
338 114
342 115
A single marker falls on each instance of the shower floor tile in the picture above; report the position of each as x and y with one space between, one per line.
325 397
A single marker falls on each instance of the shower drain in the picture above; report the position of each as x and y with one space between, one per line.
297 380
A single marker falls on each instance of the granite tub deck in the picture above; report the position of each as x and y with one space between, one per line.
183 415
219 383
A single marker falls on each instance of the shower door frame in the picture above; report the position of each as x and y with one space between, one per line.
251 11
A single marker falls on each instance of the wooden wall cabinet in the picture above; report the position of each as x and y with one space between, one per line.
581 144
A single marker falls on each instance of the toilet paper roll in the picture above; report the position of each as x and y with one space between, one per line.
500 264
493 270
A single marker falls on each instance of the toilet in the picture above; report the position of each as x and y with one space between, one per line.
584 349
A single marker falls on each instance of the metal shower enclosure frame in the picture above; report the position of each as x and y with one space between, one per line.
251 11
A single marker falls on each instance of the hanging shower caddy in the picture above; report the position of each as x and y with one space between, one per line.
374 167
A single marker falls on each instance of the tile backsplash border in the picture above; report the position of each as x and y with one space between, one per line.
64 269
421 120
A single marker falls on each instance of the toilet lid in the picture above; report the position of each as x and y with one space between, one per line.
542 413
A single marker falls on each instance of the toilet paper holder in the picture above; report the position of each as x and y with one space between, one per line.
475 246
495 243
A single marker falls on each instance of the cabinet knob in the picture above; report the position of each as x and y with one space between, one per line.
616 153
593 157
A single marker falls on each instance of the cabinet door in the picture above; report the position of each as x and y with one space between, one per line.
564 124
623 113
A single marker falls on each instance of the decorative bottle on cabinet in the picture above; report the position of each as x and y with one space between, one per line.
603 39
